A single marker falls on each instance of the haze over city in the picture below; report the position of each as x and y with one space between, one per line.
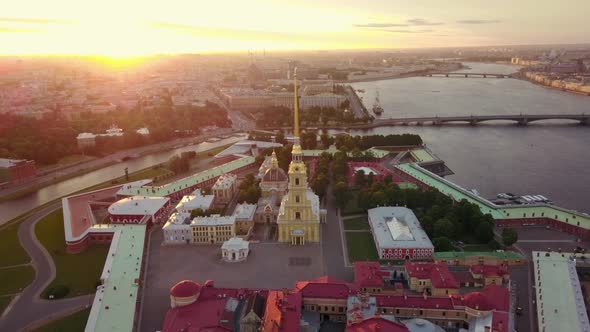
125 28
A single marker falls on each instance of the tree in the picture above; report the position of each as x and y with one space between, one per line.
444 227
442 243
359 178
509 236
326 140
281 138
370 179
341 194
484 232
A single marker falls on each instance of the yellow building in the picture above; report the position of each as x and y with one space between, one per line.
213 229
299 214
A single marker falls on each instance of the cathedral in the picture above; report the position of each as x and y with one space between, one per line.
299 214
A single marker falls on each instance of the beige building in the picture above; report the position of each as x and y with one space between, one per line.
244 214
213 229
225 188
299 214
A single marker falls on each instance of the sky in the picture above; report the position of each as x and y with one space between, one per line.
131 27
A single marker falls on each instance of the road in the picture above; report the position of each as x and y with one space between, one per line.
355 103
28 308
332 242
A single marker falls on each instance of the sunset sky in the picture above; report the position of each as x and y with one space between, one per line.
130 27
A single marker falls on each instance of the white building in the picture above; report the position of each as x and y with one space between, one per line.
195 201
235 250
213 229
398 234
139 210
177 229
143 131
224 188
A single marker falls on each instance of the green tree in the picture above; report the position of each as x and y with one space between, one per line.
484 232
442 243
509 236
359 178
341 194
444 227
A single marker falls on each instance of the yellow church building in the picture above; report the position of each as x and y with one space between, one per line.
299 214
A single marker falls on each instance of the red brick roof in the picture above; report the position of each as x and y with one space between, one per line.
282 312
498 296
415 301
377 324
368 274
478 301
500 321
437 273
325 287
185 288
489 270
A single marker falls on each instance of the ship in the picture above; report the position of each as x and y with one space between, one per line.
377 109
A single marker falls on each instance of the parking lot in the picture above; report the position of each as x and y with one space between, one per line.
269 265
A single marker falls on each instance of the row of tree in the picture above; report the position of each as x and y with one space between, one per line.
249 190
349 143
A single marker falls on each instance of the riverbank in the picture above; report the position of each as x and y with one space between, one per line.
549 83
416 73
79 169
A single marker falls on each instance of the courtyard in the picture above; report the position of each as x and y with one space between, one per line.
269 265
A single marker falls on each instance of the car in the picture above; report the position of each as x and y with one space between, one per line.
519 311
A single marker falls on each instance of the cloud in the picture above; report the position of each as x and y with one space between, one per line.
32 20
405 31
4 29
414 22
478 21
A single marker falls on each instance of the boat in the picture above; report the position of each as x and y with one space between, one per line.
377 109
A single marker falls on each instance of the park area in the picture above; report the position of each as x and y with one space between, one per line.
80 273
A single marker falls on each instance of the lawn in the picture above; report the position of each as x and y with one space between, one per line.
352 205
9 243
361 247
79 272
4 302
72 323
359 223
14 279
476 247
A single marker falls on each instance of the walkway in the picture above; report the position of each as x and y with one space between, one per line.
28 309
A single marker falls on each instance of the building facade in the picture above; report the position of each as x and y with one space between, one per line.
225 188
213 229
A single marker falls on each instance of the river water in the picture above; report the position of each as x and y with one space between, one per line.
11 209
543 158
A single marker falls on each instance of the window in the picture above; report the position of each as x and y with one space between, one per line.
297 199
296 181
297 215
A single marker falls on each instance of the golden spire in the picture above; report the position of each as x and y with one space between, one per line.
295 106
274 162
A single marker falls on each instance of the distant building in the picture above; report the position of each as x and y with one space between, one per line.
225 188
86 140
143 131
196 201
177 229
235 250
434 279
398 234
15 171
139 210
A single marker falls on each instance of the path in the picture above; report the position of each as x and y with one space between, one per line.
28 308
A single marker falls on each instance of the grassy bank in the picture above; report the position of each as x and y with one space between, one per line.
71 323
361 247
360 223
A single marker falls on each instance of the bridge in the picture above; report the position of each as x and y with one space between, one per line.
520 119
466 75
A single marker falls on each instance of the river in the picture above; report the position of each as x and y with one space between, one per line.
551 160
13 208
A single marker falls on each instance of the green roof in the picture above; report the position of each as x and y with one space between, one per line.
560 303
422 155
113 308
497 211
465 254
170 188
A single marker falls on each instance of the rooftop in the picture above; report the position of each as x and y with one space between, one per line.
366 170
235 243
439 274
369 274
169 189
138 205
397 227
325 287
114 304
282 312
195 201
225 181
214 220
244 147
560 302
377 324
245 211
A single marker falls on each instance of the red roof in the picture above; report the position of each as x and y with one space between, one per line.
282 312
325 287
368 274
500 321
375 324
489 270
439 274
185 288
478 301
463 277
498 296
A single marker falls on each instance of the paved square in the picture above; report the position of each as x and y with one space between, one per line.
269 265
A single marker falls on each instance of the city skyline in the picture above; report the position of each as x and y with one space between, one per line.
134 28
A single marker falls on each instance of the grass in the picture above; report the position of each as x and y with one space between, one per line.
72 323
352 205
361 247
9 243
4 302
13 280
359 223
79 272
476 247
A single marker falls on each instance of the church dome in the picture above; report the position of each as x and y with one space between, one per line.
275 175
